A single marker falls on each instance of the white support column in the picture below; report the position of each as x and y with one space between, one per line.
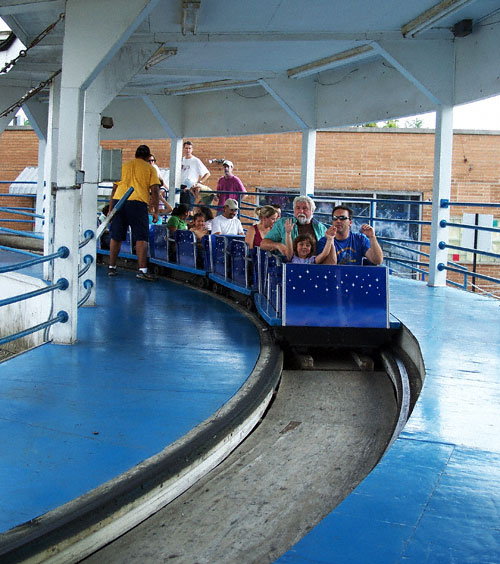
49 167
443 147
67 213
175 168
308 162
40 186
90 163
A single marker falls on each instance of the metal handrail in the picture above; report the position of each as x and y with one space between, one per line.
61 284
62 252
118 205
88 236
88 285
442 266
445 223
88 260
18 212
28 234
61 317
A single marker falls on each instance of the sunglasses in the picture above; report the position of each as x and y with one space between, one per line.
340 217
152 160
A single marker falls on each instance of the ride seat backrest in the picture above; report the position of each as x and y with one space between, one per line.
219 264
274 281
158 242
254 255
239 262
208 243
185 241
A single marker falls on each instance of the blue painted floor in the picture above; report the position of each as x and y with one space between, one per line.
156 359
435 496
152 361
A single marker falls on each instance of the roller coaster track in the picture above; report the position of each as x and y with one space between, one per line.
328 426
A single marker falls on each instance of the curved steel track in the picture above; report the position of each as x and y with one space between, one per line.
326 429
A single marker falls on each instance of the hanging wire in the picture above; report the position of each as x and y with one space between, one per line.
23 54
35 41
29 94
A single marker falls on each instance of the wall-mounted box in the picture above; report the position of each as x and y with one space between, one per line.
111 165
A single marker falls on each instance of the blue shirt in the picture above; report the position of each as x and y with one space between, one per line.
353 249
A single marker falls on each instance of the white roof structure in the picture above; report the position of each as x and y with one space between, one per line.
232 67
177 69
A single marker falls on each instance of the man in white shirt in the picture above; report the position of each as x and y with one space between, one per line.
228 223
192 167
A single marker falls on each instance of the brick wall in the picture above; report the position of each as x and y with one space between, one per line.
346 160
361 160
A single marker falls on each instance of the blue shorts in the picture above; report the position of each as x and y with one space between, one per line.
135 214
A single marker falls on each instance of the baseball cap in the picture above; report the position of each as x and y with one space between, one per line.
231 204
228 163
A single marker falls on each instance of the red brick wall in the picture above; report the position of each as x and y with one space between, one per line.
350 160
375 160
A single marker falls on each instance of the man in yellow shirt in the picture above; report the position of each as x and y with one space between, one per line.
134 213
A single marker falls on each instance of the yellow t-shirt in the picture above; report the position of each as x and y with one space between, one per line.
139 174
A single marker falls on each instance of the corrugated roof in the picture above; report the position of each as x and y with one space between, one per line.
26 181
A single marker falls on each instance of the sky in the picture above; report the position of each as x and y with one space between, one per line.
482 115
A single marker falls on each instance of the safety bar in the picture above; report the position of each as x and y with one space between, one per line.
63 252
22 233
61 284
61 317
118 205
88 285
17 212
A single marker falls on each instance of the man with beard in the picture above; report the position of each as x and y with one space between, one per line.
304 223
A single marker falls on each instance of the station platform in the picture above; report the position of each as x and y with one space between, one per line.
152 361
78 416
435 496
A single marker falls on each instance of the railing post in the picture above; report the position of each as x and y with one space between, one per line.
90 160
308 162
443 146
67 210
174 179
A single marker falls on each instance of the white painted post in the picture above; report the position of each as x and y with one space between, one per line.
307 175
40 192
175 168
67 212
90 164
443 147
49 168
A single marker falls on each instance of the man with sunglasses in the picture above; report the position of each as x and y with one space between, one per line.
350 247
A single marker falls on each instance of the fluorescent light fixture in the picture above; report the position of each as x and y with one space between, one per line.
428 18
210 87
160 55
190 12
350 55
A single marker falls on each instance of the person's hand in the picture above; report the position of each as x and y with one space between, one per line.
155 216
281 248
330 232
368 230
288 225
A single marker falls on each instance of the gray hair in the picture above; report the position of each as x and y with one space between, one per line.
307 199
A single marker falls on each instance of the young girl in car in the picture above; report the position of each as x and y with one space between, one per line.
301 250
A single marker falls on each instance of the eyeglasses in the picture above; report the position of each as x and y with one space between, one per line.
340 217
152 160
